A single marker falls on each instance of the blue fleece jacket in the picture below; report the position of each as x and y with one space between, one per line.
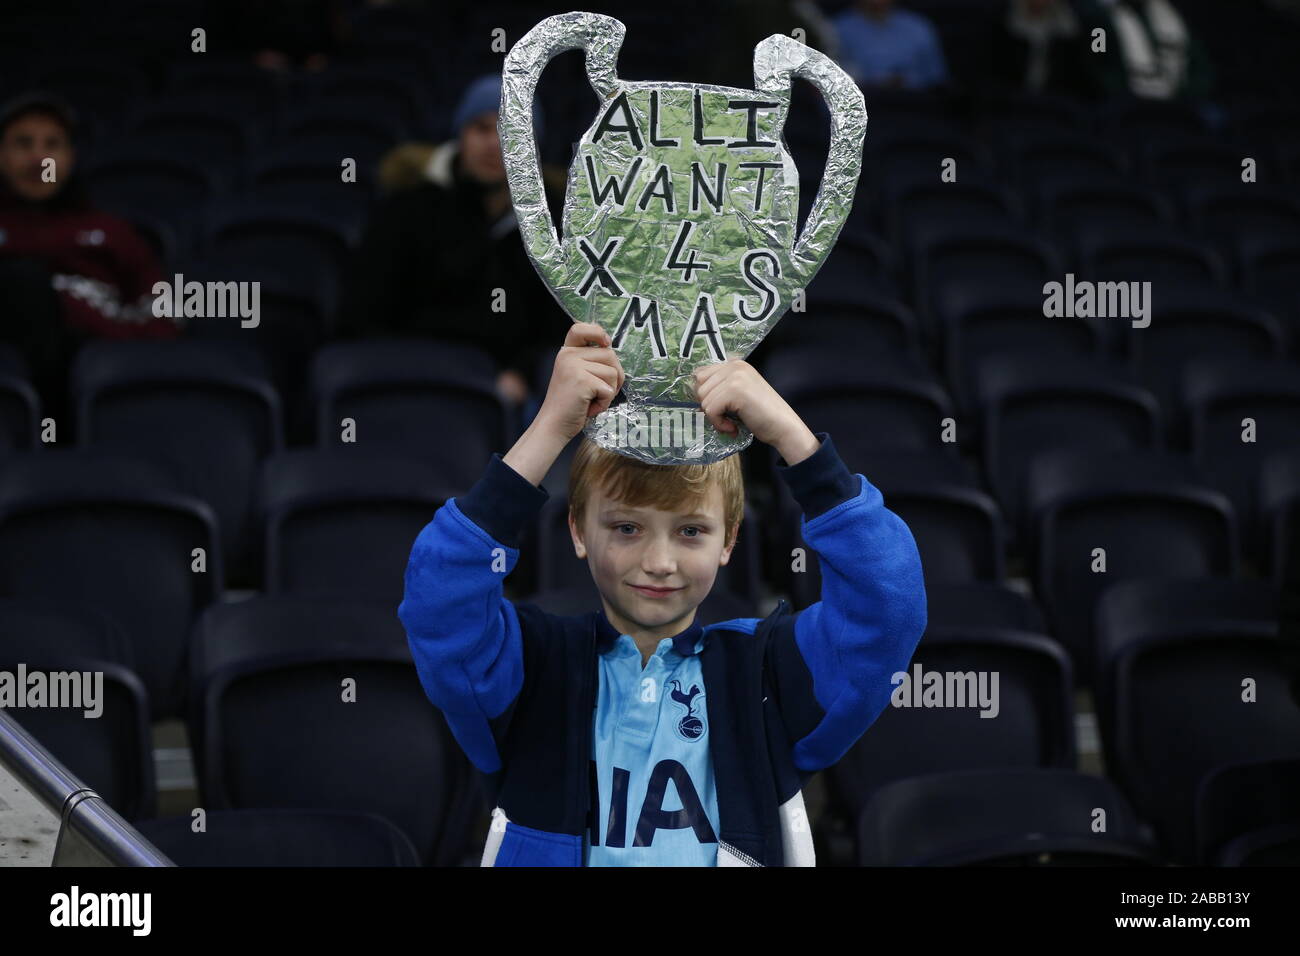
787 695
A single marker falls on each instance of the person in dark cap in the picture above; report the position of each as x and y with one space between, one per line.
68 271
442 243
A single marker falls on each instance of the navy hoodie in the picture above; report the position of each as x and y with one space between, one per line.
788 694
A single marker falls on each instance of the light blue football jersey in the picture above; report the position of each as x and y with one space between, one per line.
657 802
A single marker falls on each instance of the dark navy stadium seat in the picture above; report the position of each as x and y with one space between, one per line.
1220 394
880 401
426 400
1153 513
279 735
1068 205
915 209
860 268
1177 660
1032 404
344 524
1160 254
1002 818
1189 322
982 604
978 318
1036 157
857 320
1278 500
210 416
229 636
977 248
19 403
1034 725
112 753
1240 803
281 838
117 534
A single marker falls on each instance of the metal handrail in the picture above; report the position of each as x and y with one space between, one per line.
91 833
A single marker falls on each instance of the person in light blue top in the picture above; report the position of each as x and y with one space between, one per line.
652 737
884 46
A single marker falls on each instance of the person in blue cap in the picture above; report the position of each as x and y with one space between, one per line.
442 257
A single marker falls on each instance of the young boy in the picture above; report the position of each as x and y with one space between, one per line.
582 723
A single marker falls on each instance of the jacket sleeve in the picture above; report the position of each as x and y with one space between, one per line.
464 634
833 663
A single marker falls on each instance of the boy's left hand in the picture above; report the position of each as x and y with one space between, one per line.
735 386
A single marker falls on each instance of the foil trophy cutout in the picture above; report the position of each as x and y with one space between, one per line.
679 220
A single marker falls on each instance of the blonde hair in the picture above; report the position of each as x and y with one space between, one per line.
641 485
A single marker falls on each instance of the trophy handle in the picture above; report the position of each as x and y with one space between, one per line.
776 60
600 38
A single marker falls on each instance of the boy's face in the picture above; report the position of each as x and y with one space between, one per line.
633 550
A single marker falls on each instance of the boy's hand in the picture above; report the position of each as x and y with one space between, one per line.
586 377
734 386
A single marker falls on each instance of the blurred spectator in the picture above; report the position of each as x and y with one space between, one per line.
882 46
1150 52
68 271
445 239
1040 48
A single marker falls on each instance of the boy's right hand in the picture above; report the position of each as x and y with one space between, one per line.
586 377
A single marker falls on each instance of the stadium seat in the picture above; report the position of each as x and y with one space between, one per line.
280 734
324 510
1189 322
984 255
210 416
115 533
915 208
111 752
1160 254
1188 162
1190 680
427 400
1031 404
860 269
1051 156
1220 395
281 838
135 181
983 318
1241 803
19 404
958 528
878 401
982 604
1278 507
857 320
1028 817
1151 513
1069 205
1033 726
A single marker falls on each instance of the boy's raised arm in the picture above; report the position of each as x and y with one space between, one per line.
833 665
464 634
